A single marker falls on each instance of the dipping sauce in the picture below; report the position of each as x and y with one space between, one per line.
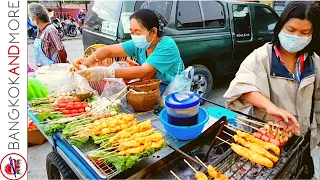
183 121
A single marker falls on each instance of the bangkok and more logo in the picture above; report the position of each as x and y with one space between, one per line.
13 166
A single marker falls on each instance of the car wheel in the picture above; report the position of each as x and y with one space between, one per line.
57 168
73 32
202 81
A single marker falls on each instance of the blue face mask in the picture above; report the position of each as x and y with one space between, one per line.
140 41
293 43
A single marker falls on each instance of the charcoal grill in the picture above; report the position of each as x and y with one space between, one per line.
290 164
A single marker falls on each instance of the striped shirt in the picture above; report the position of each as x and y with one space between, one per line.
51 42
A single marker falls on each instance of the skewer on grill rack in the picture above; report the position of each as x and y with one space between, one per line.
240 122
213 173
251 121
249 137
199 175
253 147
249 154
174 174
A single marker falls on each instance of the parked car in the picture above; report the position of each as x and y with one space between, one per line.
213 36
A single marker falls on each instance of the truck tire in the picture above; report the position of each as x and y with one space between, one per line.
202 81
57 168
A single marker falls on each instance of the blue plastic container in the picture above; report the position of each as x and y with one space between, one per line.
218 112
183 108
185 132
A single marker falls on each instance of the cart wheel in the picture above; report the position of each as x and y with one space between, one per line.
57 168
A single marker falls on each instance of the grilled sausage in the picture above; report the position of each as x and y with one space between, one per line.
251 155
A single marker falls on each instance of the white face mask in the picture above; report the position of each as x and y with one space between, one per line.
293 43
140 41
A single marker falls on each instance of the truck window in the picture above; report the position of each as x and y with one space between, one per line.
242 22
162 7
189 15
265 20
104 15
213 14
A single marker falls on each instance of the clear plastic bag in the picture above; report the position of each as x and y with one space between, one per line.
181 82
83 86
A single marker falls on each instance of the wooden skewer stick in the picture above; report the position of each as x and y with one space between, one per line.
107 149
252 121
235 129
190 166
240 122
223 140
177 177
80 135
228 134
201 162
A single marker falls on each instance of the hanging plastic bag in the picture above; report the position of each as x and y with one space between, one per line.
181 82
82 85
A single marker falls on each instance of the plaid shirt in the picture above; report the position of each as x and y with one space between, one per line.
51 42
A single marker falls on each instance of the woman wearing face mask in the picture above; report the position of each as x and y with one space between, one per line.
277 81
156 54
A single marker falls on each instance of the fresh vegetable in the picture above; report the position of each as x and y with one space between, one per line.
72 127
125 162
79 141
48 115
49 129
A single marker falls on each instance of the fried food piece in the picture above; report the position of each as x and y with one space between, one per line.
263 144
254 147
156 137
131 130
213 173
251 155
158 144
200 176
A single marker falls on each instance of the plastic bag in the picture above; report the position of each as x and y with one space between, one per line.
55 76
114 86
83 86
181 82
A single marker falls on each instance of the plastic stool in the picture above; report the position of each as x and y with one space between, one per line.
218 112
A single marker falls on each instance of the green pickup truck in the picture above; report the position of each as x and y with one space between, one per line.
213 36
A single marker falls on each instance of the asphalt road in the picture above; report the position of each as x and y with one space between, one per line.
37 154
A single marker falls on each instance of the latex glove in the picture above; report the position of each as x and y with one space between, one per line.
83 61
285 119
97 73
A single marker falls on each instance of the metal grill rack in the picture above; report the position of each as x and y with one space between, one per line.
236 167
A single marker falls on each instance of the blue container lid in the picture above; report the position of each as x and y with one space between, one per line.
182 100
218 112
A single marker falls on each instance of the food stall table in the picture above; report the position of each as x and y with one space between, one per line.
83 168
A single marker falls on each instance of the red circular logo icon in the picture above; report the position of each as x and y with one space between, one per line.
13 166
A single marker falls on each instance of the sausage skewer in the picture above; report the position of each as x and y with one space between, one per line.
174 174
254 147
213 173
199 175
249 154
249 137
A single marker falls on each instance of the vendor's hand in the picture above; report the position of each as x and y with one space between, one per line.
285 119
97 73
88 62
